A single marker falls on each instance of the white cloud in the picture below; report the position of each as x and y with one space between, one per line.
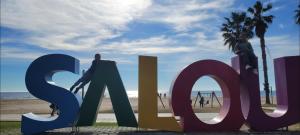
277 8
5 40
26 54
88 61
184 15
17 53
115 51
278 46
70 24
281 26
280 40
152 45
213 43
211 47
76 25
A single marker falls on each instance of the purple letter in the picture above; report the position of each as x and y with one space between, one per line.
287 73
230 117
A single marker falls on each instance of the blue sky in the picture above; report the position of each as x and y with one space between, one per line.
177 32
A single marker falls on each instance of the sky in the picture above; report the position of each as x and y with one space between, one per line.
178 32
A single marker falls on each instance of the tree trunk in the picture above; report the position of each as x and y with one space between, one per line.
265 69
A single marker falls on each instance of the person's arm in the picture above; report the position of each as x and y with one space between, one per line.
92 67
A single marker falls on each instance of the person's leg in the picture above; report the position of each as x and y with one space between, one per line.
52 109
76 83
57 111
253 63
86 80
81 86
253 60
245 58
81 80
52 113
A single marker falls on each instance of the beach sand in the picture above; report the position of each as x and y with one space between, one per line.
42 107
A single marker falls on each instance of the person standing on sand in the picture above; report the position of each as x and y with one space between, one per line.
201 102
244 49
87 76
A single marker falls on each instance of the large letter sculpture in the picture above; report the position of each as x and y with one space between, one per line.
148 98
287 77
39 84
106 74
230 117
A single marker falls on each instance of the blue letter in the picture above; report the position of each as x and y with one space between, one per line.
39 84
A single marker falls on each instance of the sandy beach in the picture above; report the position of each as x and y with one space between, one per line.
12 110
42 107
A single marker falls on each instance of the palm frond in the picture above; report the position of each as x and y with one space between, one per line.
269 6
268 19
297 16
237 22
251 10
258 7
259 20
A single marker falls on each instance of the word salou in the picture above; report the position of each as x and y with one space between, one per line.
240 88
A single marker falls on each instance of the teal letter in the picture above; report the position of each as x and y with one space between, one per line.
106 74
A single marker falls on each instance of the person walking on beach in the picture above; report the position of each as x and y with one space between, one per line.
201 102
245 51
87 76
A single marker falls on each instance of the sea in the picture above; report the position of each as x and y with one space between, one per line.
27 95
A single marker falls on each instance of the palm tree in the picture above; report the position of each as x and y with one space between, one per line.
234 26
260 22
297 16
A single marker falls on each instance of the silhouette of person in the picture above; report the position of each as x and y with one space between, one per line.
87 76
199 94
201 102
207 102
244 49
54 109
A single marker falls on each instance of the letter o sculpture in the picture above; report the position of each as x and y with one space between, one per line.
230 117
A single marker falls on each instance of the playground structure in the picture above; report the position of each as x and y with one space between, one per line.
211 96
159 96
